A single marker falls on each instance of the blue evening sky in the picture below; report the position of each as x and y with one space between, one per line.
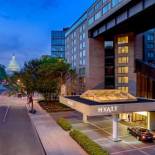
25 25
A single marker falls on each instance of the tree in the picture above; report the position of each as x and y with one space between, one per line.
45 76
3 75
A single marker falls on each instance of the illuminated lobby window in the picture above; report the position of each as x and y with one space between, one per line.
123 40
122 60
124 89
123 50
123 79
123 70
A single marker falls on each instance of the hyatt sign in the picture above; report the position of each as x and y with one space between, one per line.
107 109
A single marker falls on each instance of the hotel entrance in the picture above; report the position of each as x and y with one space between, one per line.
135 119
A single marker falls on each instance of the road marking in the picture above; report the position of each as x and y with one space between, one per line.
99 128
101 139
135 149
89 130
4 118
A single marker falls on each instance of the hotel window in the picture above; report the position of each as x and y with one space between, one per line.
106 8
84 45
74 42
98 15
103 1
123 50
115 2
84 35
123 40
74 34
150 37
151 54
91 21
98 5
84 61
83 27
123 60
81 46
80 54
124 89
150 45
84 53
82 71
123 79
91 12
80 37
122 70
74 49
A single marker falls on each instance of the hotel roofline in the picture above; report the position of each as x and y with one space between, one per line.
84 16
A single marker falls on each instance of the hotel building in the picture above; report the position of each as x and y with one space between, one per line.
106 48
101 62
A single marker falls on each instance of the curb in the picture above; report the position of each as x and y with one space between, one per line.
38 137
35 130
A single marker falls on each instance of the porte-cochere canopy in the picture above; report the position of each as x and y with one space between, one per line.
107 102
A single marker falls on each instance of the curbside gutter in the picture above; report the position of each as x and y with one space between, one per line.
35 130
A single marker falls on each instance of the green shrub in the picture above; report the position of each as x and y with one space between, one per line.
64 124
87 144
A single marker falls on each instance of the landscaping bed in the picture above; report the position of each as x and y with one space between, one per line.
54 106
84 141
87 144
65 124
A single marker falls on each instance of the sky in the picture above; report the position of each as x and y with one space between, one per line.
25 26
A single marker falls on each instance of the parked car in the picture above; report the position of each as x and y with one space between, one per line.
141 134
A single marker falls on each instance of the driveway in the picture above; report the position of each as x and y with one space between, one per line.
100 130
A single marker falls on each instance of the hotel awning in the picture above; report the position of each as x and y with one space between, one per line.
100 105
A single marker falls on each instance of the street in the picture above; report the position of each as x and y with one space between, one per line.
17 134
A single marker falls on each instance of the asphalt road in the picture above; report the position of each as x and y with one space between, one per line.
17 134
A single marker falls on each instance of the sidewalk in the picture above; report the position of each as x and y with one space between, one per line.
54 139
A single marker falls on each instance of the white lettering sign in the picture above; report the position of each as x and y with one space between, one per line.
107 109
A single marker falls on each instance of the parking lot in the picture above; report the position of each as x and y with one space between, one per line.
100 130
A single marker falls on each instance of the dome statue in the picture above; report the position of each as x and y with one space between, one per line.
13 66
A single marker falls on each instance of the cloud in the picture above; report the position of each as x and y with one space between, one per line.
10 42
4 16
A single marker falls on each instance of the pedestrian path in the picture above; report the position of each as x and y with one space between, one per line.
55 140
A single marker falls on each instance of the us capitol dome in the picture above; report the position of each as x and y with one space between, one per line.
13 65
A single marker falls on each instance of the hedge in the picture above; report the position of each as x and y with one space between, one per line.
64 124
87 144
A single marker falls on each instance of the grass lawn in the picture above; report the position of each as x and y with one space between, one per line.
54 106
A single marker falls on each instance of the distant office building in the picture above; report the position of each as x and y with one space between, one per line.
149 46
58 43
